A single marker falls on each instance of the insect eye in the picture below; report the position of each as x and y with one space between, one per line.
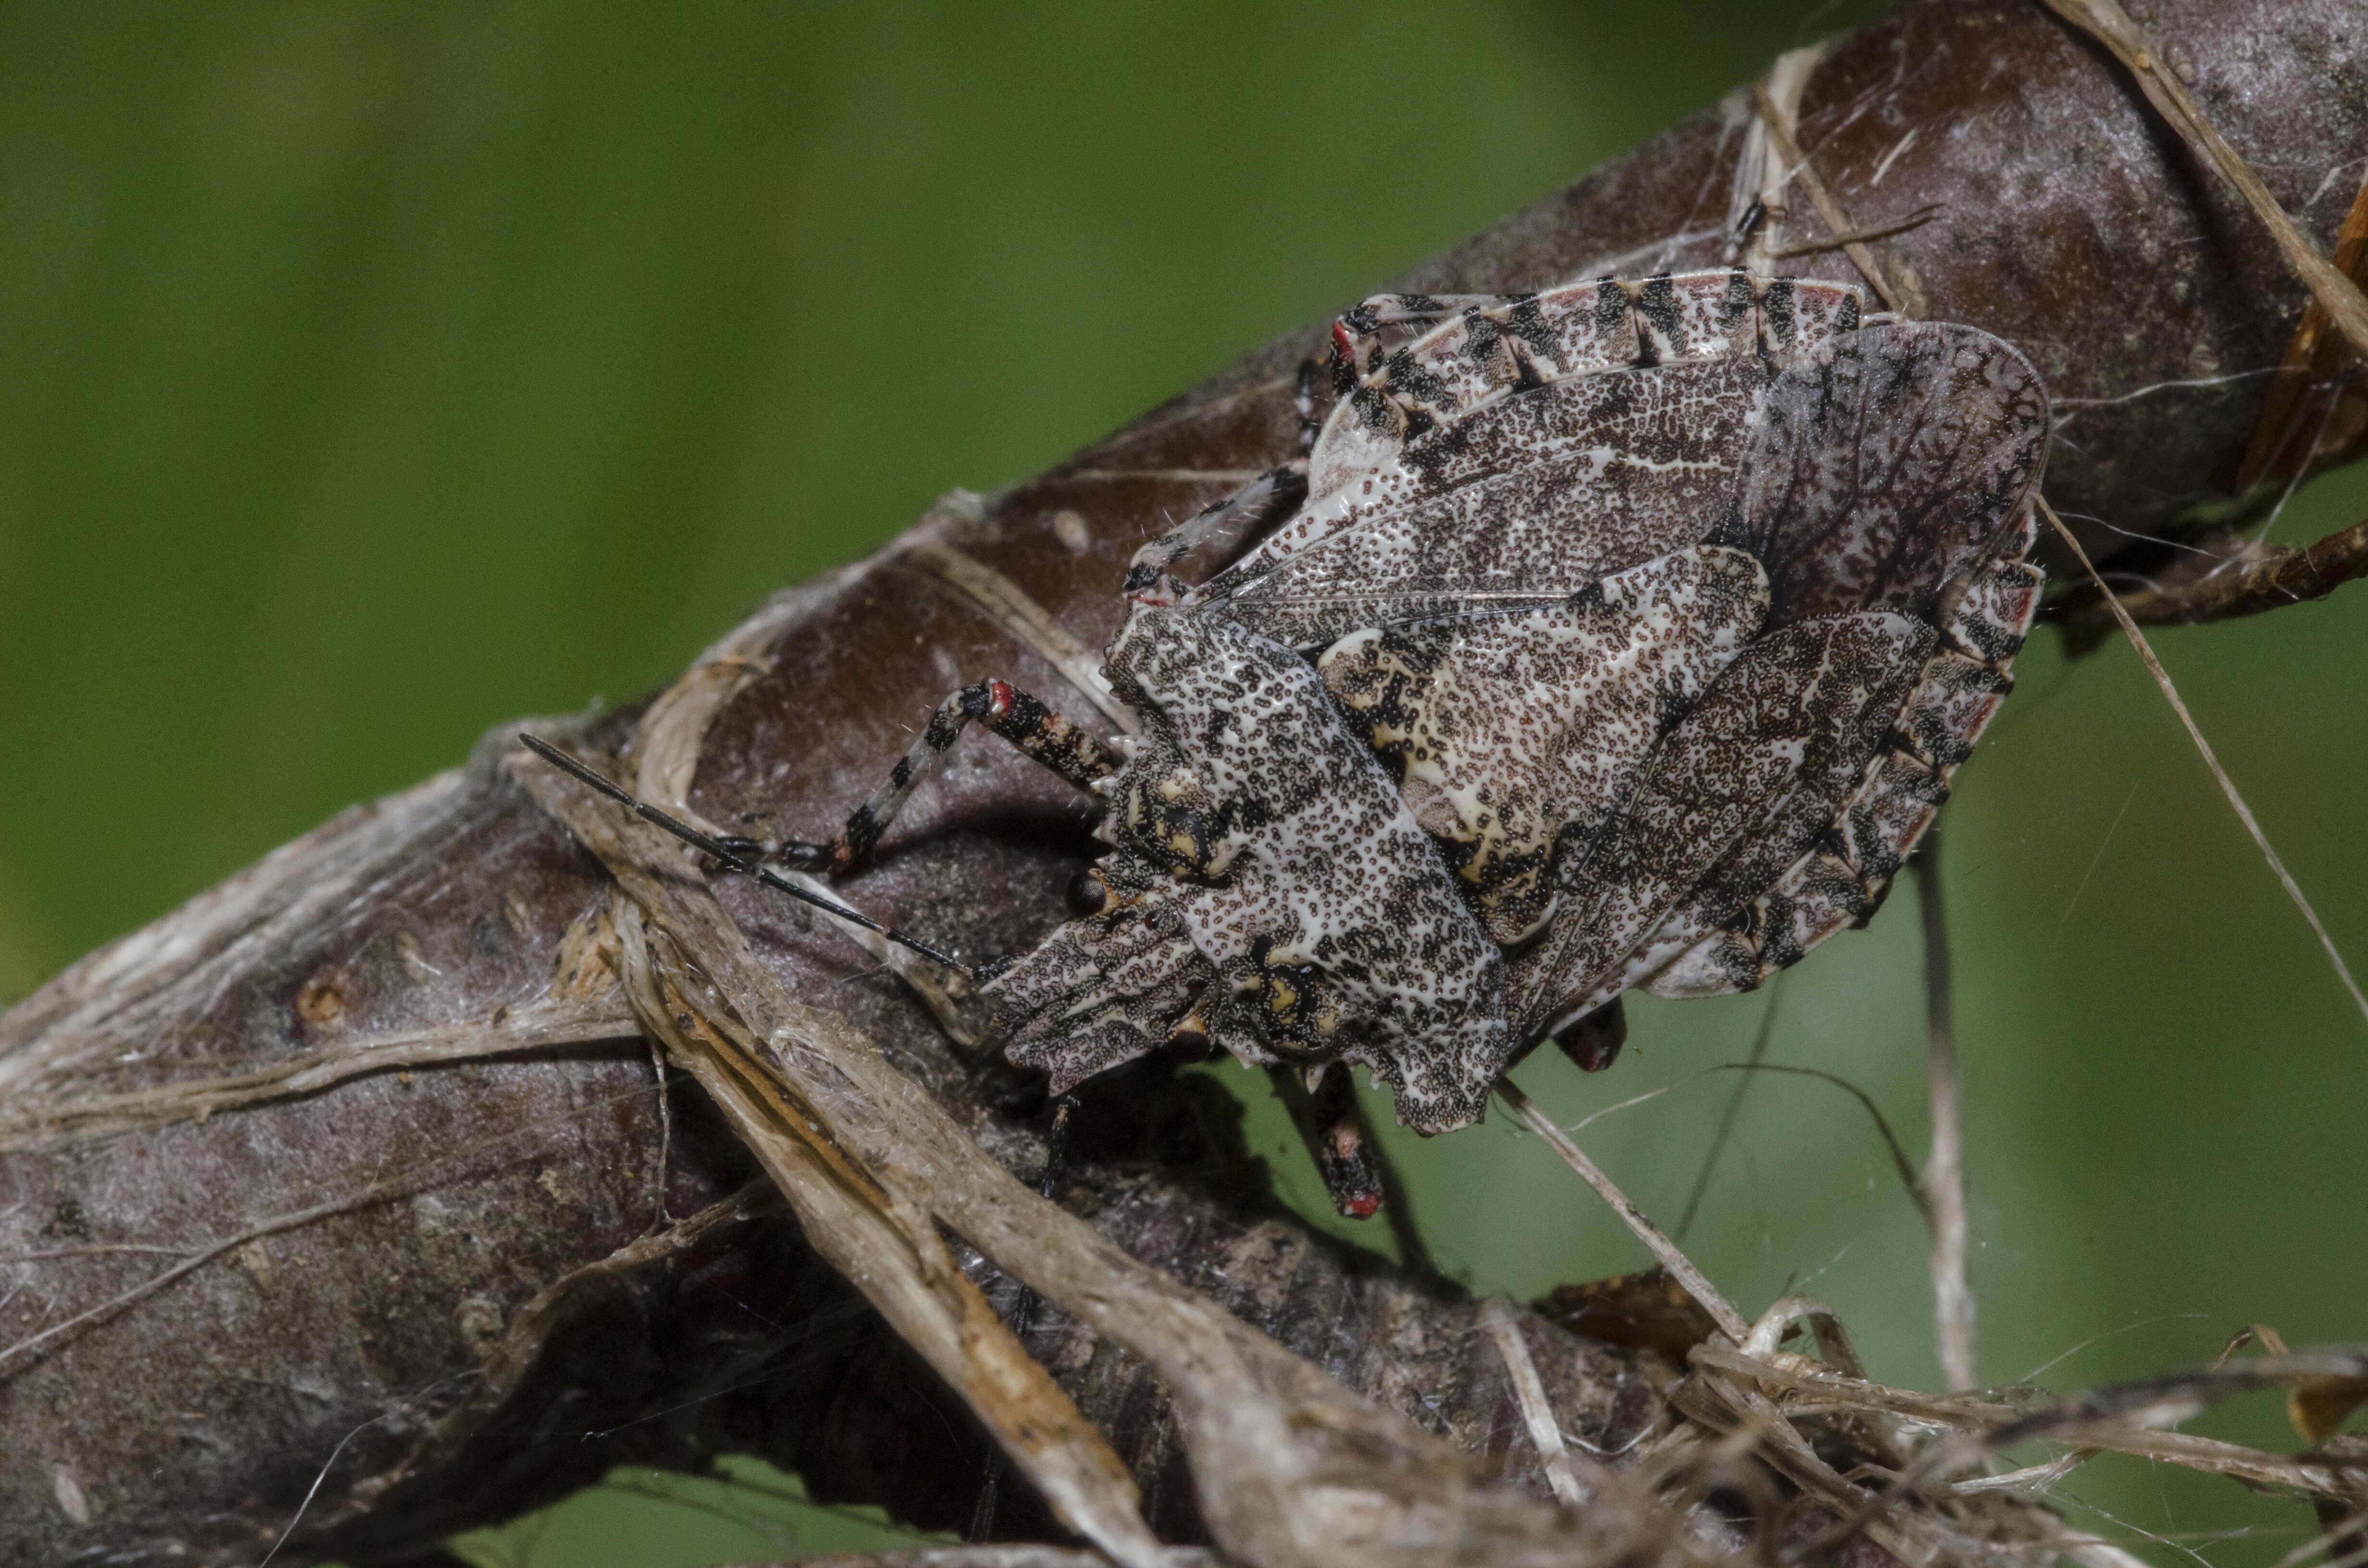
1089 893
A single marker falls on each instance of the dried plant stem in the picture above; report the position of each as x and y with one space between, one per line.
2105 21
696 985
2311 360
1292 1469
2228 784
1545 1430
548 1024
1944 1173
1681 1268
14 1356
2262 577
1780 131
2117 1420
896 1257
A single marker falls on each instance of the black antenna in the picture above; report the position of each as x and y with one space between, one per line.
743 864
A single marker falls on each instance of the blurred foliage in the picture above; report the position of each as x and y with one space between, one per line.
651 1519
370 374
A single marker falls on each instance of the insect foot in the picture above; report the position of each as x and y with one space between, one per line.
1269 888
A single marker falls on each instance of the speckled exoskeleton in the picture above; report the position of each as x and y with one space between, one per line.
1625 635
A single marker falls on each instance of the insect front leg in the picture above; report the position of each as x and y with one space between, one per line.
1232 518
1034 729
1304 399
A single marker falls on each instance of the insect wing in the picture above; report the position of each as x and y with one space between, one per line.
1891 468
1887 491
1845 872
1516 737
1396 388
1529 500
1763 763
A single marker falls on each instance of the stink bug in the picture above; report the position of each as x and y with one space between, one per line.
1624 634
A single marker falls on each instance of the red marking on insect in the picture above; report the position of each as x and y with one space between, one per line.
1363 1206
998 698
1346 350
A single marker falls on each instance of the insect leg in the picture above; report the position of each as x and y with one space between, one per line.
728 852
1334 1129
1310 426
1235 516
1024 721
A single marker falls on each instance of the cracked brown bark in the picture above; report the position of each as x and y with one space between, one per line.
196 1417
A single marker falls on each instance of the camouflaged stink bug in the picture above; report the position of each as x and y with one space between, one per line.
1625 634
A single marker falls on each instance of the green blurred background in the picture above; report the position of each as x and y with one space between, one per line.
370 374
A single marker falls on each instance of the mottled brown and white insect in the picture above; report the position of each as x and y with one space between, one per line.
1625 634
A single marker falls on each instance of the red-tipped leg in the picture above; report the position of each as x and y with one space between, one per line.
1333 1126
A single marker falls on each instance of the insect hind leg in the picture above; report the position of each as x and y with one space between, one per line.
1034 729
1323 1106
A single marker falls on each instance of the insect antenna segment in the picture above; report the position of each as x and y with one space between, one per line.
737 859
